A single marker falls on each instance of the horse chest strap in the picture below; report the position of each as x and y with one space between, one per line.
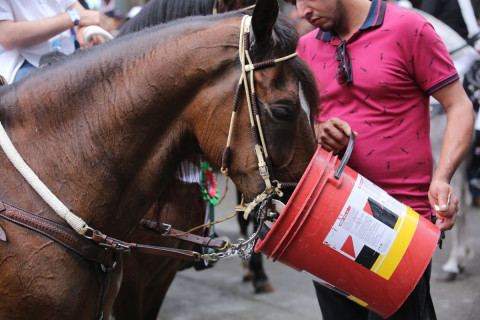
59 233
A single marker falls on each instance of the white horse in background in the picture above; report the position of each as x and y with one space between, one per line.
463 57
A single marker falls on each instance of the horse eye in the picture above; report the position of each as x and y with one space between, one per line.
282 114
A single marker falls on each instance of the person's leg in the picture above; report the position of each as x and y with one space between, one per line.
335 306
419 304
23 71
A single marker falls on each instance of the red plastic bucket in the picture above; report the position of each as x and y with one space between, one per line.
351 236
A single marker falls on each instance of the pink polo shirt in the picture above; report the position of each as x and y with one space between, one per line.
398 60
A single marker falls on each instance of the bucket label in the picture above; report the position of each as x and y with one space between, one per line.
373 229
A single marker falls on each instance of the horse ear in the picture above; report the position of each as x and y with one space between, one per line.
264 16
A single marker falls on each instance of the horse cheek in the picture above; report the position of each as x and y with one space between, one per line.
305 143
295 154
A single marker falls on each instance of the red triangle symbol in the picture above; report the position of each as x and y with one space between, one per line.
368 209
348 247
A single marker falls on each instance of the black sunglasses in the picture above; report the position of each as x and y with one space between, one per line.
344 69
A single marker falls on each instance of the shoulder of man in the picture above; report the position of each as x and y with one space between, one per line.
404 16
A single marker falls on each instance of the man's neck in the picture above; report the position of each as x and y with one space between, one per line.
356 12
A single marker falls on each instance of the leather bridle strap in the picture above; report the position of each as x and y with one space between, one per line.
166 230
93 251
59 233
130 247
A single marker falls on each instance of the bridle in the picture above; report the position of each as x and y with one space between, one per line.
247 81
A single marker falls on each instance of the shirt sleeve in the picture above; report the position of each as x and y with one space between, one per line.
433 67
5 11
68 3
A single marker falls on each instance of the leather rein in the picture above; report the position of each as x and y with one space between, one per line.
91 243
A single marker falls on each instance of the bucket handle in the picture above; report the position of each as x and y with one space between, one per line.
346 156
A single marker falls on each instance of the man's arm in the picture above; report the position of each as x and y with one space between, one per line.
456 143
24 34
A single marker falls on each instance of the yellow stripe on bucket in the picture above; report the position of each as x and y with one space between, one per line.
377 263
360 302
399 246
398 224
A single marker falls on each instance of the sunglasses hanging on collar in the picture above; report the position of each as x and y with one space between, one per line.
344 69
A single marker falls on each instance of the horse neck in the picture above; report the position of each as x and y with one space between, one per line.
120 124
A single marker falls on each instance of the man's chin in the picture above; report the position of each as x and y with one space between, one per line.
325 28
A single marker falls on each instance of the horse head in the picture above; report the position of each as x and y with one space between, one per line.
283 124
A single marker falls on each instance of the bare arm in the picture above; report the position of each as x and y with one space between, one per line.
24 34
456 142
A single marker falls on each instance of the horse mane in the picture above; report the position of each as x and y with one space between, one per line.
162 11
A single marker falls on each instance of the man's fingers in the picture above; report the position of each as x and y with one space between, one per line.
445 224
443 204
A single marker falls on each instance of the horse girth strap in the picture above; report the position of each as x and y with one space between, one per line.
59 233
167 231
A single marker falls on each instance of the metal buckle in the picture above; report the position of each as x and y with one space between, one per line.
90 232
263 171
116 245
167 230
108 269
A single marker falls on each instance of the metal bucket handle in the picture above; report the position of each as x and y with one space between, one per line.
346 157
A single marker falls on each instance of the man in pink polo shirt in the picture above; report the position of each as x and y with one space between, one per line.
376 65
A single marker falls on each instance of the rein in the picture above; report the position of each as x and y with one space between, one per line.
83 231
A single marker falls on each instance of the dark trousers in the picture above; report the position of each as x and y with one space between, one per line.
418 306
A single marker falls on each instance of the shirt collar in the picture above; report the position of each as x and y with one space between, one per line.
375 18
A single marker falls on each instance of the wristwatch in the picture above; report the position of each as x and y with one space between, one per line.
73 13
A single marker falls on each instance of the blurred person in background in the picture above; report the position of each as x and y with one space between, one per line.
29 28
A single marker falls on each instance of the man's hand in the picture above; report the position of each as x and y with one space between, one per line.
89 18
333 134
445 203
94 40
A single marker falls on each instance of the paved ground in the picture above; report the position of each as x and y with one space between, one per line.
219 294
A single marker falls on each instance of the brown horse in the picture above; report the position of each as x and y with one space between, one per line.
105 130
